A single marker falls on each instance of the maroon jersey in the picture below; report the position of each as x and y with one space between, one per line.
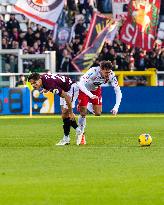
57 82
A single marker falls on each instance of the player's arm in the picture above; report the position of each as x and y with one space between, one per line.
118 94
85 79
69 103
82 87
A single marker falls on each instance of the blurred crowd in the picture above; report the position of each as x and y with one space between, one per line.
38 39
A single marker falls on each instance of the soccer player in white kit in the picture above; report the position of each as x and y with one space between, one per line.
90 92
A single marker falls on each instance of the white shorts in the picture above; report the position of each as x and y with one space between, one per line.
73 93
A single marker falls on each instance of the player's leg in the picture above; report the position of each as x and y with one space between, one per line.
97 110
82 122
82 117
83 102
73 93
97 103
66 125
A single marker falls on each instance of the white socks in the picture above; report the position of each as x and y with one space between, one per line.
67 138
82 123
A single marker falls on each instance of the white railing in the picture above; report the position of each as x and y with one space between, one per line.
12 78
49 58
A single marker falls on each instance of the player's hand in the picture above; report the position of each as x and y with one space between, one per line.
114 111
72 116
94 97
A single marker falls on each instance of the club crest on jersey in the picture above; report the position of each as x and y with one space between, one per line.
44 5
55 91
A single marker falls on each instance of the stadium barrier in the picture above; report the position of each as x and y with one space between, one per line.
151 76
135 100
9 79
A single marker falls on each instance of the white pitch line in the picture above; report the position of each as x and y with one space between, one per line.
88 116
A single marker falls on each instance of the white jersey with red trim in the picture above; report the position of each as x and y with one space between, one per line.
92 79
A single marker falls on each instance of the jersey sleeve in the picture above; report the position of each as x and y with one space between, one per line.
118 93
113 80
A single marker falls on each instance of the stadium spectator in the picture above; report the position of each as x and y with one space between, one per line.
151 60
24 45
5 34
2 23
50 45
43 35
80 30
29 37
21 39
15 45
4 43
12 23
21 81
65 65
73 47
140 56
14 34
36 48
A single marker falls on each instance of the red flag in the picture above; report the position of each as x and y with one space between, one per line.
139 29
85 59
98 23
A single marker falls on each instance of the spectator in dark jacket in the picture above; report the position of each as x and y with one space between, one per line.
30 37
12 23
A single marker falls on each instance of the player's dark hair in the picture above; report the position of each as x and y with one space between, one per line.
34 76
106 65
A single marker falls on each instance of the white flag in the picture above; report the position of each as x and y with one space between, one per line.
119 8
43 12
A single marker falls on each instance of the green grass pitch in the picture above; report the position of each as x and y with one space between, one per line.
111 169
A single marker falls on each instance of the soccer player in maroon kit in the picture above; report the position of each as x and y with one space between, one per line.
68 92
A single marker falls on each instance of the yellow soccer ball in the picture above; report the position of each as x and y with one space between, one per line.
145 140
